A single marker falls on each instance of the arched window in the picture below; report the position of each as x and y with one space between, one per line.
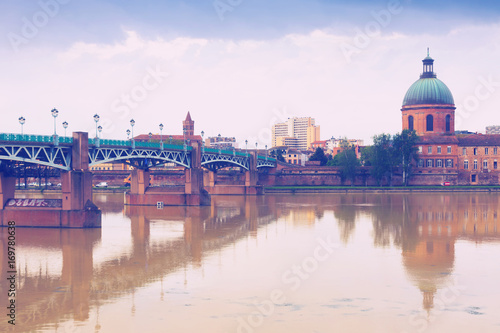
430 123
448 123
410 123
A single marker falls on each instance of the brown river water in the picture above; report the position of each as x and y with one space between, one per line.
403 263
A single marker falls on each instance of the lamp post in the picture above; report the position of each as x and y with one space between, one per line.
266 152
246 148
132 123
96 119
22 120
170 138
100 131
65 125
55 113
184 134
128 134
161 136
202 143
150 136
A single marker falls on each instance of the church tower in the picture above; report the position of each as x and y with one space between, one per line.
188 125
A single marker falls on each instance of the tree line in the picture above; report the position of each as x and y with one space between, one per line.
387 154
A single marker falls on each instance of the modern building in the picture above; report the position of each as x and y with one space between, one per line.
445 156
302 129
493 129
221 142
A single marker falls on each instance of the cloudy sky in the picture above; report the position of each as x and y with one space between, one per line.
240 66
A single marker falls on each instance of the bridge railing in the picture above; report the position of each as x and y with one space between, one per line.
138 144
34 138
271 159
226 152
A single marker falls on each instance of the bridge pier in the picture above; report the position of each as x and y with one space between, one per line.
139 181
74 210
7 188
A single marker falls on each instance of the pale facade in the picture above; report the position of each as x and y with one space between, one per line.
303 129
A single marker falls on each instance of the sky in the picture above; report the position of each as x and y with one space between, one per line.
240 66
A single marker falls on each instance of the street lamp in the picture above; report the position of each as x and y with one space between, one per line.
266 152
128 134
246 148
150 136
100 130
22 120
202 143
55 113
96 119
65 125
170 138
161 133
132 123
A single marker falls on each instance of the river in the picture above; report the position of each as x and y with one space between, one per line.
404 263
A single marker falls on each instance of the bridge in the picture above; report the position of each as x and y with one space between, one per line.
74 155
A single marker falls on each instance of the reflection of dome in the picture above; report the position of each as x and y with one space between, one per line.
430 266
428 89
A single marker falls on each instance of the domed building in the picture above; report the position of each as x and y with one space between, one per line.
428 106
446 157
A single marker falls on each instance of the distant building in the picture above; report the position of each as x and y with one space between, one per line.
493 129
221 142
294 156
302 129
186 136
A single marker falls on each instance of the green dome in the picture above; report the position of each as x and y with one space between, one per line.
429 90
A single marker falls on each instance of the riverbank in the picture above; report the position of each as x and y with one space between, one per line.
375 189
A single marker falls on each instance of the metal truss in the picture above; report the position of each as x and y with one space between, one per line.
49 155
215 161
139 157
265 163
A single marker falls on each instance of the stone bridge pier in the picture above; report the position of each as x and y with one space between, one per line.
75 208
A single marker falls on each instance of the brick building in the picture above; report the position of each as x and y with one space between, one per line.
445 155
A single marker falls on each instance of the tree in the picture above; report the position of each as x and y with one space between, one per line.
279 155
347 161
319 155
382 158
405 146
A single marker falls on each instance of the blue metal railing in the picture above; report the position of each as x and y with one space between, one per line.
138 144
33 138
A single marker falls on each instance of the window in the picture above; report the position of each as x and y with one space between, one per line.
439 163
495 165
410 123
420 163
495 151
448 149
429 123
420 149
449 163
486 151
475 151
464 151
466 164
429 150
448 123
485 164
429 163
473 178
475 164
439 149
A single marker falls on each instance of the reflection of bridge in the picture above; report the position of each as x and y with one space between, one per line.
82 284
73 156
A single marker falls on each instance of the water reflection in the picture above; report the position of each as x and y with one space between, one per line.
63 274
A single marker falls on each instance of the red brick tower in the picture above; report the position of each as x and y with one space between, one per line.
188 125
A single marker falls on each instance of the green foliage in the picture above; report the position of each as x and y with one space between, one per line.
405 146
319 155
347 161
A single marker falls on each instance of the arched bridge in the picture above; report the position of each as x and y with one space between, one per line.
56 151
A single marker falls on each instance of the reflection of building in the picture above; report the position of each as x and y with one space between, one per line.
434 223
296 133
429 109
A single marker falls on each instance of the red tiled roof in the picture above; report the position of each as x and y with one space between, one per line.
431 139
479 140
